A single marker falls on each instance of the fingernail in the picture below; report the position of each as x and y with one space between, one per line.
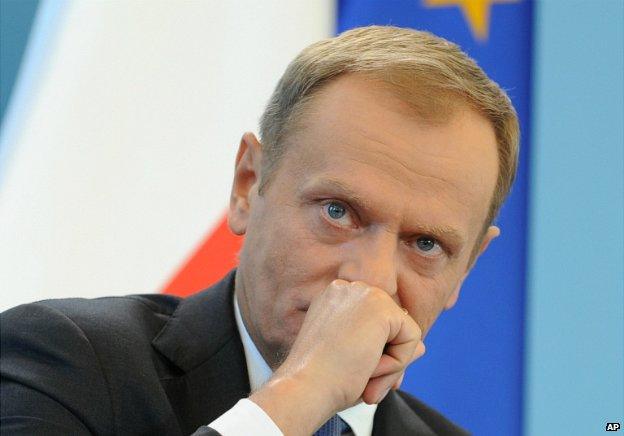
382 396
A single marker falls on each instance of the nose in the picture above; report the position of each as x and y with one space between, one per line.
373 259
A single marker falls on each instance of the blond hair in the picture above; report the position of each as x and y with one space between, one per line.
429 73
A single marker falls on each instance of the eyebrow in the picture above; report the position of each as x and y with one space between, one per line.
442 233
335 187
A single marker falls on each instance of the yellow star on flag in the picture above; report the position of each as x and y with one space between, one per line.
476 13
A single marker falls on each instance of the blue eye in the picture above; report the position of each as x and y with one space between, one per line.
425 244
338 214
336 210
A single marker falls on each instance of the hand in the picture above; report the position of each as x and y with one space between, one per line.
354 344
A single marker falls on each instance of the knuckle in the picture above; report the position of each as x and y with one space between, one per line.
374 293
338 283
374 298
359 285
417 330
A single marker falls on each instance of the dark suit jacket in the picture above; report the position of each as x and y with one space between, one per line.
151 364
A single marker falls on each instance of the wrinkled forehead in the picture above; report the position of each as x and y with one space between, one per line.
364 134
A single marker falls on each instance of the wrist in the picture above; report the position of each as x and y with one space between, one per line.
296 404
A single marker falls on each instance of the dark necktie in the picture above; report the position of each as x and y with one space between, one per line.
334 427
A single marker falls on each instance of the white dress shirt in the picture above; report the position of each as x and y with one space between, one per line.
246 417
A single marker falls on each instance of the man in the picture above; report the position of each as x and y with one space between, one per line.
385 155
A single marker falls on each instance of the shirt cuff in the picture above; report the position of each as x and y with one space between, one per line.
245 418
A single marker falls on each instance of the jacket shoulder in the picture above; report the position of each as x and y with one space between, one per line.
109 313
434 419
79 363
116 308
111 326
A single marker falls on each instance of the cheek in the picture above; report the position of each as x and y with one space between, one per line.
287 248
285 261
425 298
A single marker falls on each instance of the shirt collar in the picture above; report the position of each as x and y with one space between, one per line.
359 417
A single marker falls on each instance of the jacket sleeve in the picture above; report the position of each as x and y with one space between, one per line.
206 431
51 380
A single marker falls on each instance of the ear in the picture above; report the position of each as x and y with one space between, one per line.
492 233
246 177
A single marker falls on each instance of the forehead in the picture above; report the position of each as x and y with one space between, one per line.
359 134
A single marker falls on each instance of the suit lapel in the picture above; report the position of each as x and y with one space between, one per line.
202 341
394 416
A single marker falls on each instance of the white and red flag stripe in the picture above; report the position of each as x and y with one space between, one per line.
119 142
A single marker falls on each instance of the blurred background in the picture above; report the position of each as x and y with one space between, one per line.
120 124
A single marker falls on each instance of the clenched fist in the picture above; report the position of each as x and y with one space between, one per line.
354 344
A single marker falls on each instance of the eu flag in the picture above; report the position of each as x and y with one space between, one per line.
472 371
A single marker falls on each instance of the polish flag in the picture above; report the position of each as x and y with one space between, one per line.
117 149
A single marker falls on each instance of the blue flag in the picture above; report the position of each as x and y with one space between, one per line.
473 368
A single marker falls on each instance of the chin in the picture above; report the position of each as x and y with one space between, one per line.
282 336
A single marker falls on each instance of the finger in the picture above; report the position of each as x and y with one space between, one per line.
403 328
377 388
397 384
402 354
404 340
419 351
398 355
390 365
387 365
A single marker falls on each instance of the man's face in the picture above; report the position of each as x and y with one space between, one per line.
366 191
